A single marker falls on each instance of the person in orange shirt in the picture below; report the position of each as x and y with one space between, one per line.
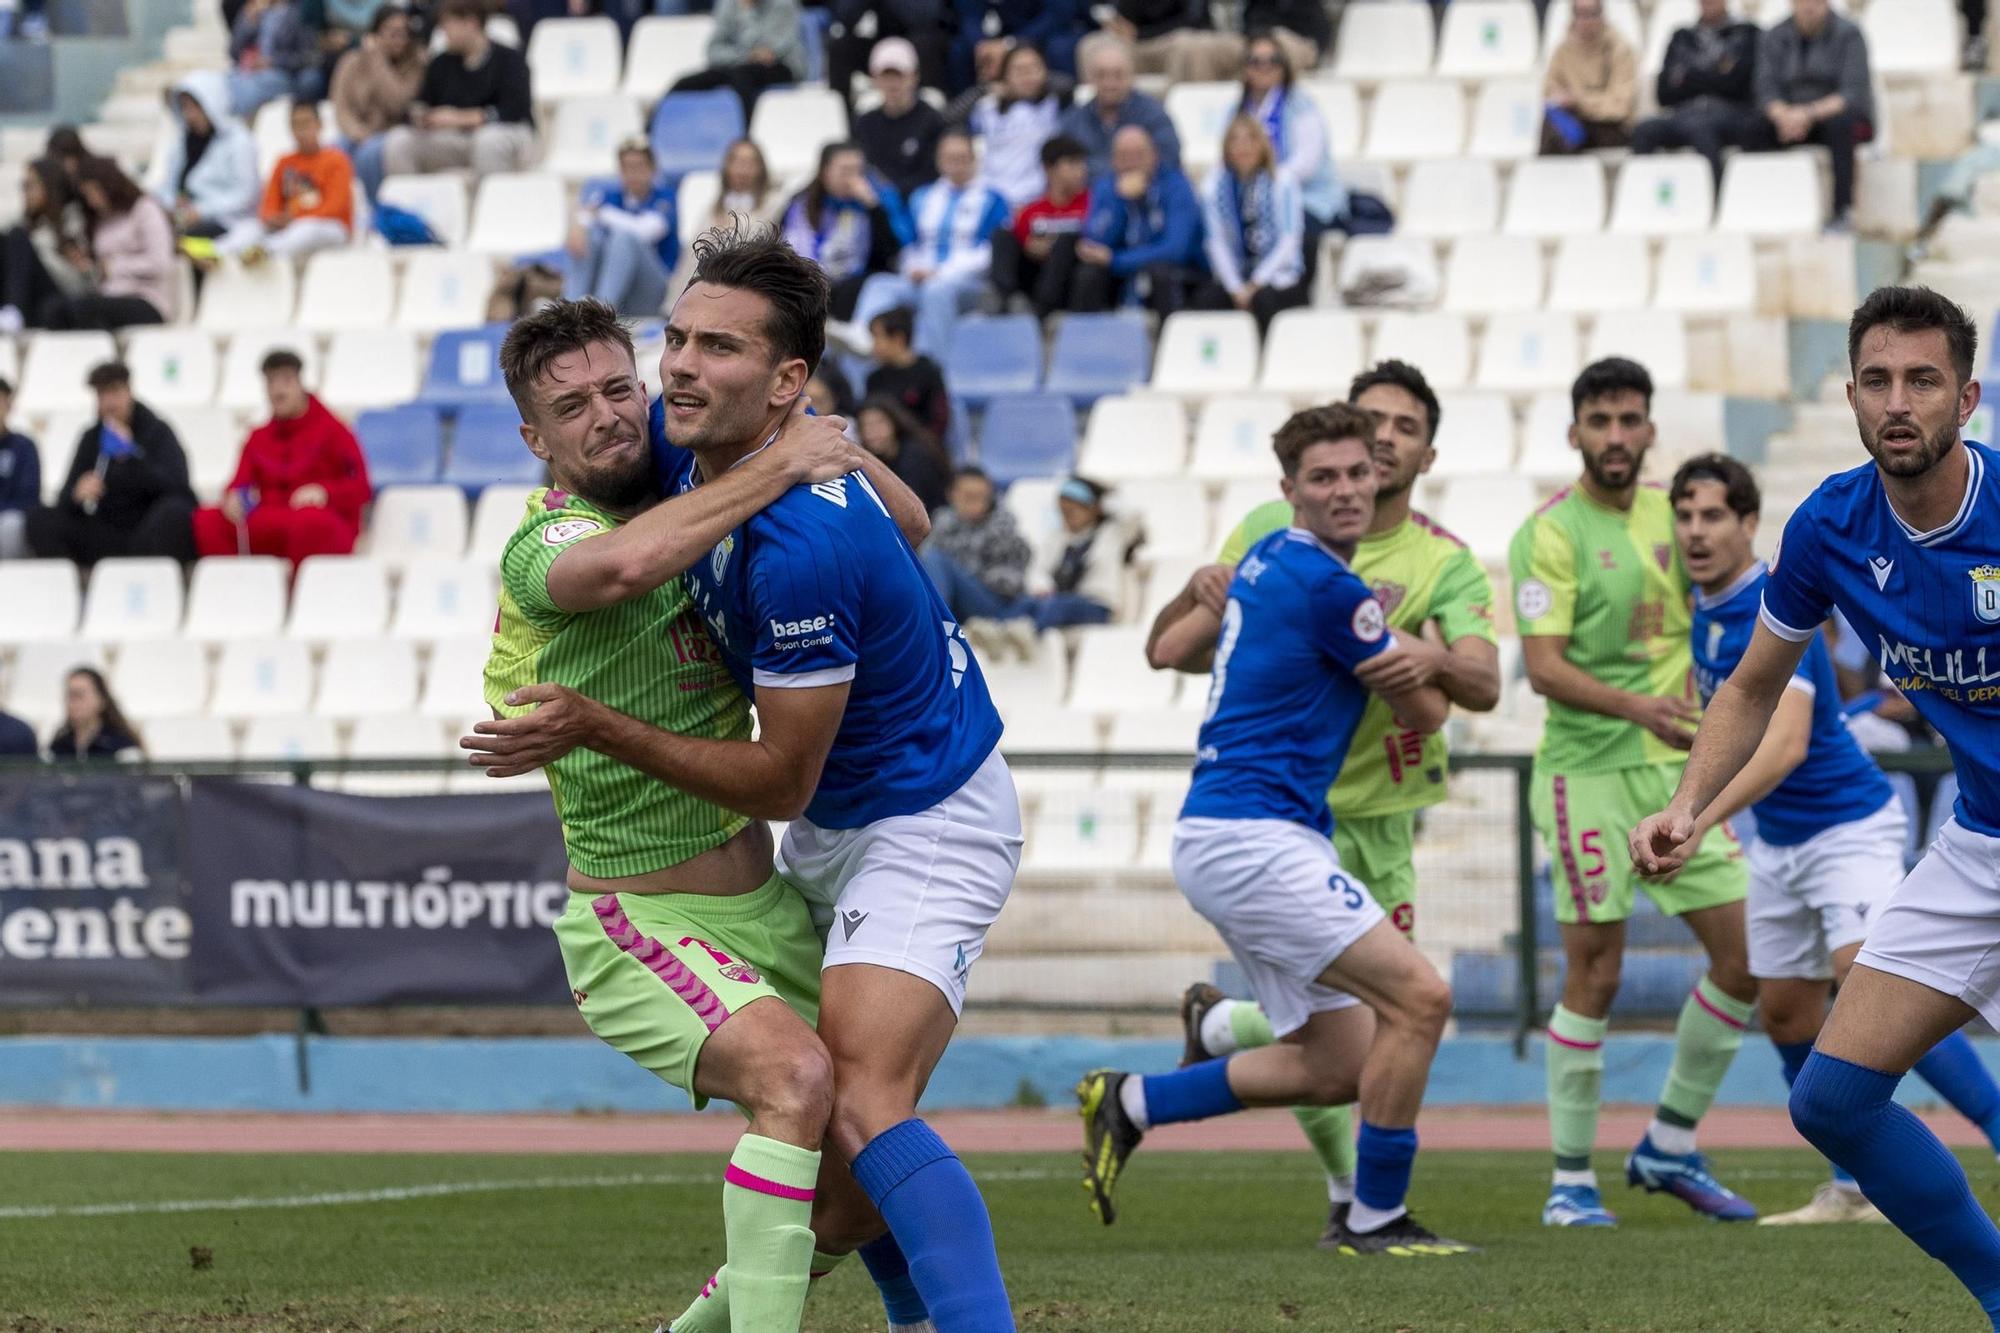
308 203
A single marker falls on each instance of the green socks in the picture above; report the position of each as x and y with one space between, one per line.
1329 1129
1248 1025
1575 1056
1705 1041
710 1311
767 1195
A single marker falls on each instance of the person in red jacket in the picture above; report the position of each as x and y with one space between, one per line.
301 482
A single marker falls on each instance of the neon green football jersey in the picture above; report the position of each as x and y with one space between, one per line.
648 657
1419 572
1613 583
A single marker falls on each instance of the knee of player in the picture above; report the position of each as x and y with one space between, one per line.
1815 1115
795 1084
1429 1003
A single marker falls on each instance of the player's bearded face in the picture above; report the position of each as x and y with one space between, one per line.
1908 403
1613 433
1889 443
718 371
592 423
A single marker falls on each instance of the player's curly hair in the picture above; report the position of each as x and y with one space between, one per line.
1913 310
557 329
1319 425
757 259
1739 486
1410 380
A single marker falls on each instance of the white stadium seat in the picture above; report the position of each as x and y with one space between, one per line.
165 679
1176 513
262 678
1546 453
243 598
1506 120
791 125
586 132
1621 15
1155 731
1166 577
1601 272
1483 39
42 599
1382 41
1240 496
1663 194
132 598
1656 339
370 368
1475 434
1488 274
1037 685
495 517
1134 435
171 366
1112 675
1439 342
1771 194
1912 36
519 212
290 736
695 199
213 443
352 288
441 598
1232 436
1484 511
1084 831
571 57
414 522
58 435
454 680
1310 353
395 736
437 197
339 597
234 297
367 675
664 48
36 680
1522 352
182 740
1206 352
1707 274
1451 197
1555 196
1200 113
444 289
1414 118
57 366
1339 104
242 386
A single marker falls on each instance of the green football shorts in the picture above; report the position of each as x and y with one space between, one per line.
1585 820
1376 849
655 973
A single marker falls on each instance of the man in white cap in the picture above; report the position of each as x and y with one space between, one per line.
899 138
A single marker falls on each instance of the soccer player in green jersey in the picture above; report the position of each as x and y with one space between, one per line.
1602 603
1424 577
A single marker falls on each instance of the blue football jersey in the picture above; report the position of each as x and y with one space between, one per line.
1927 604
1836 783
1283 702
821 588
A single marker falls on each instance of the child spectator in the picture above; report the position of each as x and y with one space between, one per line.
1036 257
622 245
308 202
907 377
890 433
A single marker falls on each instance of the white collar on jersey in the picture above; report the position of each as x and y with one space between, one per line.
1703 600
1297 533
1975 472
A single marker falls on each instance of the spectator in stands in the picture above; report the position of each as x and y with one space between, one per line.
1141 243
987 29
889 432
746 187
1301 27
755 44
1591 87
828 391
1013 122
907 377
308 203
976 554
1812 86
20 481
1035 258
300 483
204 171
1298 134
899 137
132 244
17 738
943 271
473 109
94 727
1704 88
47 253
859 26
1174 38
1255 228
839 222
1087 581
373 87
622 243
127 490
274 53
1107 65
66 146
342 25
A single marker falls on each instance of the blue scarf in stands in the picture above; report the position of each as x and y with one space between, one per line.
1251 215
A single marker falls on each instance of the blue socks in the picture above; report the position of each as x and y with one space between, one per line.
1793 1054
1383 1158
1954 1068
1198 1092
928 1199
1847 1111
891 1271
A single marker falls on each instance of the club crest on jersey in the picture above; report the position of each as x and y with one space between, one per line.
569 529
1986 592
1391 596
718 559
1533 599
1664 554
1368 623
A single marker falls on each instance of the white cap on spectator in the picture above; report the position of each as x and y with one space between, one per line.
893 53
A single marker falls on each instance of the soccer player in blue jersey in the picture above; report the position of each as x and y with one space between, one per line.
1908 549
1827 848
1299 643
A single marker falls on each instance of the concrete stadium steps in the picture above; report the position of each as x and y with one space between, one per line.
1091 980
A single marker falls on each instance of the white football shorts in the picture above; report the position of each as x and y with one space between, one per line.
1941 927
1814 898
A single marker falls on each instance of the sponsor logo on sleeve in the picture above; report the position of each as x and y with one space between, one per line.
1533 599
1367 624
810 632
564 531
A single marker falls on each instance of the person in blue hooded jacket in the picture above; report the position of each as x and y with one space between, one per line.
1142 242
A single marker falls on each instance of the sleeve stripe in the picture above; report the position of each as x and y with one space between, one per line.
804 680
1803 686
1780 628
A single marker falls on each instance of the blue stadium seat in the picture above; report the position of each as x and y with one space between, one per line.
404 445
1027 435
465 369
690 130
994 355
487 450
1097 355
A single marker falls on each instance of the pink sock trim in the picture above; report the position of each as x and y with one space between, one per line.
692 990
1721 1017
1573 1045
742 1179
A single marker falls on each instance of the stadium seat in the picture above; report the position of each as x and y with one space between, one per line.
1483 39
464 370
1475 434
1485 511
10 361
213 443
1913 37
436 197
1232 436
662 50
339 596
586 131
1546 453
994 354
185 740
369 368
58 364
1771 194
1601 272
519 213
1092 355
1027 435
1451 197
1339 106
242 386
234 297
1663 194
1488 274
1706 274
1689 423
367 675
168 679
1020 688
574 57
1154 731
1309 352
1092 830
1656 339
1523 352
1438 342
272 130
35 680
1051 731
346 289
441 598
1111 674
495 517
395 736
171 366
695 200
1134 435
1166 576
1414 119
1200 113
792 124
412 522
1175 510
1379 42
1621 15
1555 196
403 445
486 447
132 598
262 678
239 598
290 735
1032 502
690 131
58 435
1506 120
42 599
443 289
1203 352
454 678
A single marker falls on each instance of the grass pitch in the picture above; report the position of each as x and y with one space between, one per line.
1205 1242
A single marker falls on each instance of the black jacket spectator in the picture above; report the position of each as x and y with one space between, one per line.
1704 89
20 490
919 389
147 507
500 83
1157 18
106 744
1814 88
17 738
1307 18
903 148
